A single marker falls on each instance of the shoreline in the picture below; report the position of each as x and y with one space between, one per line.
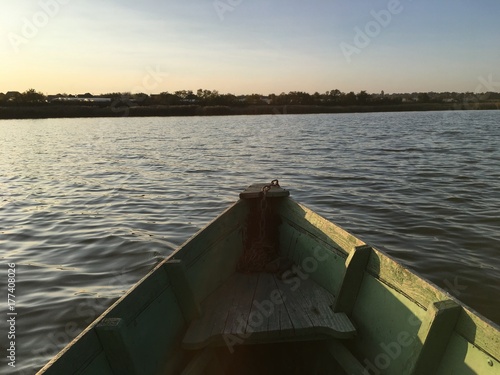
82 111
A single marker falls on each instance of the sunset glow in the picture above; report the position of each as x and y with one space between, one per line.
241 46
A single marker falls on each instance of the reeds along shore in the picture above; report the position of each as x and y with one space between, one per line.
75 111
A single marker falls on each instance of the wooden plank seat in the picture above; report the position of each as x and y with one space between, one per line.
260 308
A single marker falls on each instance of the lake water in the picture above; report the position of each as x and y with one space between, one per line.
88 206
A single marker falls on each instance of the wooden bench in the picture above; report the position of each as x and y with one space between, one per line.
260 308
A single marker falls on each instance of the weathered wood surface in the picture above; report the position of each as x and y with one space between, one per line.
260 308
255 191
404 281
484 334
202 243
85 349
319 228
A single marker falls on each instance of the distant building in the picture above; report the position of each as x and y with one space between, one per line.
12 95
77 100
87 95
409 100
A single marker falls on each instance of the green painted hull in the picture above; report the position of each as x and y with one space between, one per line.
403 324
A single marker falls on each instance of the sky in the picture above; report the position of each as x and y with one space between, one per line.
249 46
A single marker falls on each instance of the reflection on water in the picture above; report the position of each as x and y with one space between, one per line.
88 206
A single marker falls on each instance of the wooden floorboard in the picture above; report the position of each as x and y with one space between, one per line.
316 304
261 317
260 308
296 306
283 325
236 323
214 314
218 308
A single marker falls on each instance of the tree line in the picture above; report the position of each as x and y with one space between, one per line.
203 97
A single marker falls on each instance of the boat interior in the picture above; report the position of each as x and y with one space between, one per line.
269 315
271 287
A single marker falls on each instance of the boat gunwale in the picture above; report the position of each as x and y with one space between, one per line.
478 320
132 288
470 325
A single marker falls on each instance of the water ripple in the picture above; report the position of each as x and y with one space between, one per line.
88 206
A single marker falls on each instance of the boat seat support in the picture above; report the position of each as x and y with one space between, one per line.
200 362
355 267
112 335
345 359
434 335
183 292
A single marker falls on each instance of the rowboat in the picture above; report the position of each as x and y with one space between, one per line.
270 287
